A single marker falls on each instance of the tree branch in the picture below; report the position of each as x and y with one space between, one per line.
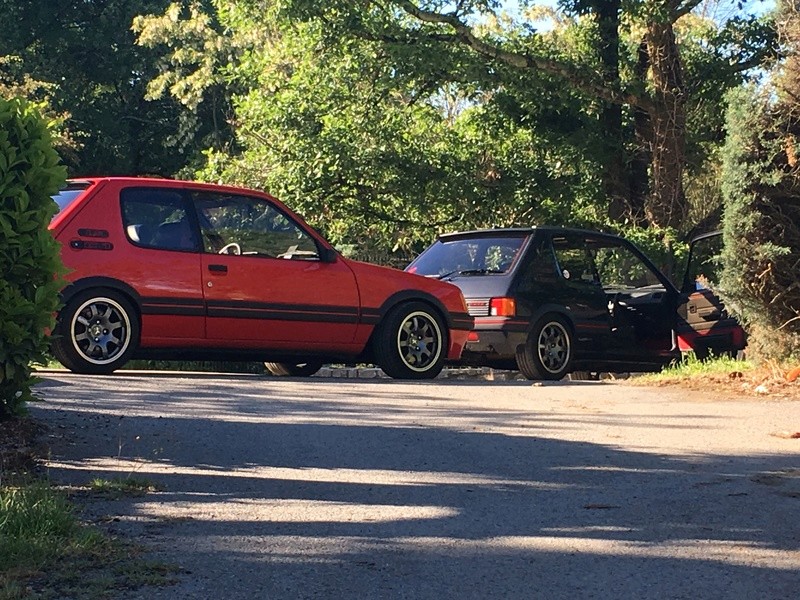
465 35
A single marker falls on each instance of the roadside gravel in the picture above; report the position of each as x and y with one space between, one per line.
339 488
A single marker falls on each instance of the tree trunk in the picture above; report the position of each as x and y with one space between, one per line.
666 204
615 179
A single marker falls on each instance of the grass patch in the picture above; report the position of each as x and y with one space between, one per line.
123 486
692 367
729 378
46 552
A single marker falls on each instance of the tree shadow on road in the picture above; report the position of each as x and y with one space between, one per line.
344 497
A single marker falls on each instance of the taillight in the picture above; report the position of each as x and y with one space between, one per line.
502 307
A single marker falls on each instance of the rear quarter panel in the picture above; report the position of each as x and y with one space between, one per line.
154 275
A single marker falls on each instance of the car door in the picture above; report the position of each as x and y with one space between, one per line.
641 301
703 323
579 290
162 263
264 282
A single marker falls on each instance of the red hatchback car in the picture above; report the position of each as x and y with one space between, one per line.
182 270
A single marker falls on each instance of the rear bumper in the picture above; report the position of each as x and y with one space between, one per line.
492 344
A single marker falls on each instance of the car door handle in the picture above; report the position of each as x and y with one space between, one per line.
710 314
218 268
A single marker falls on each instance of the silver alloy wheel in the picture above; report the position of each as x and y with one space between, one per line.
419 341
100 330
553 347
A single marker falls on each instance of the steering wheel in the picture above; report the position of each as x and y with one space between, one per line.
232 248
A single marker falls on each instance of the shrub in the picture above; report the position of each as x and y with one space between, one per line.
761 224
29 256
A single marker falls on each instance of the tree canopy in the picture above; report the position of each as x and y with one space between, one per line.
416 117
388 122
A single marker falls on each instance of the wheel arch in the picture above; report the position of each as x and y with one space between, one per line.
403 297
107 283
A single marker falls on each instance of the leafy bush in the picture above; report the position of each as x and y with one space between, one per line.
29 256
761 184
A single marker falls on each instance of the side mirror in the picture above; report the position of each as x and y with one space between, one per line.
328 255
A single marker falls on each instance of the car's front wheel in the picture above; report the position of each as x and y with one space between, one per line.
96 332
306 369
547 353
411 342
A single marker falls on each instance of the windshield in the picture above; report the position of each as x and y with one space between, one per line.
69 193
468 256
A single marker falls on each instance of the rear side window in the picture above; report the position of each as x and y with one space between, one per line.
69 193
158 218
468 256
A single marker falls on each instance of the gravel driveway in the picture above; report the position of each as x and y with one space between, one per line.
325 488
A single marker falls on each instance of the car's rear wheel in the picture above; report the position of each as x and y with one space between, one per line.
306 369
96 332
547 353
411 342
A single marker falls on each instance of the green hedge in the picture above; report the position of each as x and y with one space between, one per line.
761 224
29 256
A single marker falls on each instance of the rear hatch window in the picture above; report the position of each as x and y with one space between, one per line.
472 256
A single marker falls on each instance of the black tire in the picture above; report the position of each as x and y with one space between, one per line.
547 353
411 342
96 332
306 369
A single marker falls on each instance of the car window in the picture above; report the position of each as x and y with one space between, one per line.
619 267
251 226
575 262
705 263
469 256
158 218
69 193
540 267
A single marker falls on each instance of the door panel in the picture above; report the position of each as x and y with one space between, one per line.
266 300
641 304
703 323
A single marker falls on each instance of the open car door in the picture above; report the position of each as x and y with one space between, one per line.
704 325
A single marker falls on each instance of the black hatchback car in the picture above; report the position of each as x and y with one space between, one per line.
550 301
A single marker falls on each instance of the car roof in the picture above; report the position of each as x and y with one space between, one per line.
183 183
518 231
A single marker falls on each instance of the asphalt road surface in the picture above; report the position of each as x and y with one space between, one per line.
326 488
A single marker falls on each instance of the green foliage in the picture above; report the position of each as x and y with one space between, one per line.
761 184
381 145
32 512
384 132
29 256
256 368
662 246
96 77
